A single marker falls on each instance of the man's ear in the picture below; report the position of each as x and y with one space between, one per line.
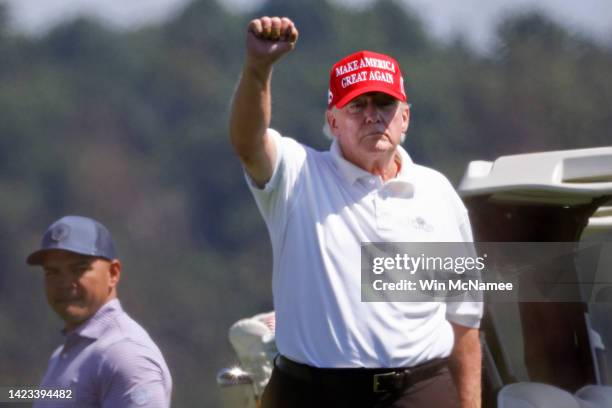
115 272
331 121
405 117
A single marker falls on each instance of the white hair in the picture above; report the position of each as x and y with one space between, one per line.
327 130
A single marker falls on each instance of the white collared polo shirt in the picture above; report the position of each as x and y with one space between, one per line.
319 208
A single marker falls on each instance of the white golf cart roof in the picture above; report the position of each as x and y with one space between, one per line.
564 177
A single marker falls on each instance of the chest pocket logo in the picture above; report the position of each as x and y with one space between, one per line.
420 223
139 396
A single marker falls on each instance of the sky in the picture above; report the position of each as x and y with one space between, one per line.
475 19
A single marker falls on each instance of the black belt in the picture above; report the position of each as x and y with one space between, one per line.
380 379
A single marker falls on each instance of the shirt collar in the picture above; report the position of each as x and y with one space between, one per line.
352 173
96 325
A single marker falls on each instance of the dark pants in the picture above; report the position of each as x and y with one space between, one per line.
287 391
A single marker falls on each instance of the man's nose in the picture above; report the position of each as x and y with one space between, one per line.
371 113
66 281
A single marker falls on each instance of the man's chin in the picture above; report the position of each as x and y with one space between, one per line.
72 314
381 146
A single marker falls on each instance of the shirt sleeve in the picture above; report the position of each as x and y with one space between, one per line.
469 312
275 199
132 376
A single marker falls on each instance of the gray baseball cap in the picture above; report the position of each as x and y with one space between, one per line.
77 234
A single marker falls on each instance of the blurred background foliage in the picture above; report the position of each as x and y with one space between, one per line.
131 128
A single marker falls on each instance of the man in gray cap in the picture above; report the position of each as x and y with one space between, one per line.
107 359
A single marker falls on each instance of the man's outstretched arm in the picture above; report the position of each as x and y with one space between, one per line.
267 40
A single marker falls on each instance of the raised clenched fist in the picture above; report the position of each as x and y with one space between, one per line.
269 38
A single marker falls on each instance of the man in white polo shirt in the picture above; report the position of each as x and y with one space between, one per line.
319 207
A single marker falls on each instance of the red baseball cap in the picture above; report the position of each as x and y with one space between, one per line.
362 72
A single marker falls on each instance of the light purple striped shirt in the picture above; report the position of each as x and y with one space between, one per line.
109 362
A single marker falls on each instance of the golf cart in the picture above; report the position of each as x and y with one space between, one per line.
546 354
535 354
